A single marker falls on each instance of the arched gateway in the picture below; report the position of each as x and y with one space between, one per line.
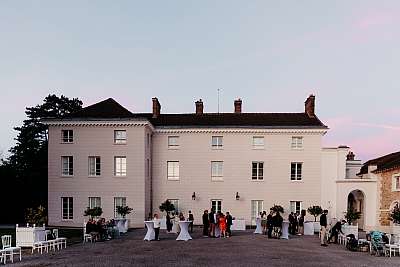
356 201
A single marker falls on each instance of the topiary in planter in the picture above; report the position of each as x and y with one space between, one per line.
315 211
352 215
124 210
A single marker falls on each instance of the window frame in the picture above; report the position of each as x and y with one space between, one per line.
216 205
69 138
123 203
96 199
220 142
97 172
70 169
257 177
121 172
175 174
294 203
118 140
296 177
296 145
173 146
70 209
220 169
396 182
257 146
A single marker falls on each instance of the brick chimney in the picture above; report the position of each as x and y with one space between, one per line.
156 107
310 106
199 107
238 105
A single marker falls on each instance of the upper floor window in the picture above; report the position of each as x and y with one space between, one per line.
173 170
173 142
118 202
258 142
94 166
216 142
296 171
67 208
297 142
217 170
67 136
295 206
396 182
120 166
257 171
94 202
67 163
120 137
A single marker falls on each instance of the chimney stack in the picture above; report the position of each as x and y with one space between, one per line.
310 106
238 105
350 156
156 107
199 107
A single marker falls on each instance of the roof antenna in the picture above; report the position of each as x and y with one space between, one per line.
219 89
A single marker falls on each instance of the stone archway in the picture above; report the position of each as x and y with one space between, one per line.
356 200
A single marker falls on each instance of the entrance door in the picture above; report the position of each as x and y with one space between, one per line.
216 204
257 206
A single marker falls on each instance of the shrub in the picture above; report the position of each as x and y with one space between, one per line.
352 215
315 211
36 216
167 206
94 212
124 210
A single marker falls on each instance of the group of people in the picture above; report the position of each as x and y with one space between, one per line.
172 222
296 223
271 224
101 230
217 224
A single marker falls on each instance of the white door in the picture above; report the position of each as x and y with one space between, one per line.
257 206
216 204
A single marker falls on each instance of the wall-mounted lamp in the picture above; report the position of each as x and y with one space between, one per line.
237 196
194 196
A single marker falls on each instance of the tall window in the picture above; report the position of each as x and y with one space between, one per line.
217 170
396 182
173 170
296 171
175 202
67 163
297 142
120 166
216 205
216 142
120 137
258 142
257 170
173 142
257 206
118 202
67 136
94 166
67 208
295 206
94 202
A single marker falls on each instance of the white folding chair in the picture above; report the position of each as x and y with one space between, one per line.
86 237
393 246
59 240
8 250
2 257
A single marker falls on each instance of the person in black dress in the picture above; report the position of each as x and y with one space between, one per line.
206 224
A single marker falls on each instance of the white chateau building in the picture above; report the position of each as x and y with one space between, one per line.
243 163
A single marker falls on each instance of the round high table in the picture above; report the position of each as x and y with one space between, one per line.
258 226
150 235
184 233
285 230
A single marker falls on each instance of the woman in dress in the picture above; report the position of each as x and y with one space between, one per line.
222 224
264 222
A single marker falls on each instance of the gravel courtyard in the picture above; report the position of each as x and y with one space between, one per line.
243 249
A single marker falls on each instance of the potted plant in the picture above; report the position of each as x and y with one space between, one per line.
123 223
36 216
277 208
352 215
315 211
124 210
93 212
167 206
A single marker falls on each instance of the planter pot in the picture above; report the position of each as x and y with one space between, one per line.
122 225
317 227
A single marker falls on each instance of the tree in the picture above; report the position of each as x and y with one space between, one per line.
167 206
93 212
352 215
278 209
394 215
25 170
315 211
124 210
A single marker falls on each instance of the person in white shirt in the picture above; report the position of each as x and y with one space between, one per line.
157 224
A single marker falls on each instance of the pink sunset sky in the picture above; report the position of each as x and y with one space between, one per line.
272 54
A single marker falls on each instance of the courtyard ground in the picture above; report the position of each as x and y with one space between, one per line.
243 249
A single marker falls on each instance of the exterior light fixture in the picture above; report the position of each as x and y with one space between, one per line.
194 196
237 196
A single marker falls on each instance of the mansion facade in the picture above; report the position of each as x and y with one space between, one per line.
106 156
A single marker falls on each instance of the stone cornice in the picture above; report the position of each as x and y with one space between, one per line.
241 131
357 181
71 123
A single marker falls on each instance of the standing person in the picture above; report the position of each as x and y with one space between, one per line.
301 224
291 223
168 222
191 219
211 219
296 223
157 224
324 223
264 222
222 224
270 224
206 223
181 217
229 222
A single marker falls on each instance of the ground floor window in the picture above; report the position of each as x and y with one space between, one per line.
119 202
175 202
67 208
257 206
295 206
94 202
216 205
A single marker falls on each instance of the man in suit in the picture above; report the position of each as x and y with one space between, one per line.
211 219
229 222
191 219
323 221
206 224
